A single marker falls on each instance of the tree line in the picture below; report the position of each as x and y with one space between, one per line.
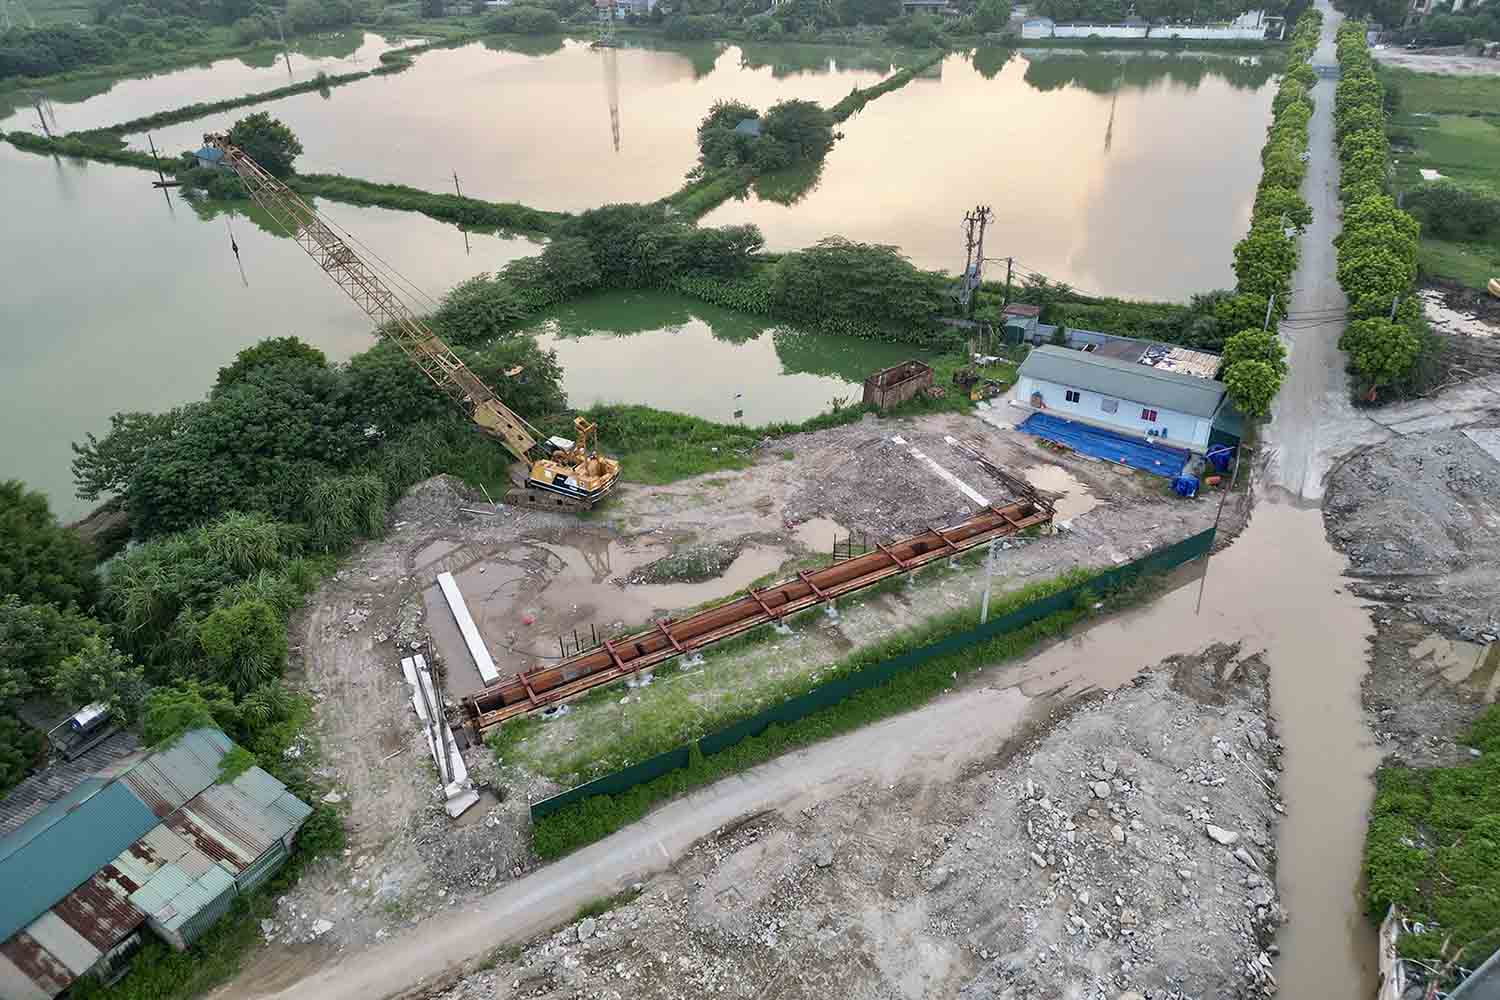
125 29
1386 338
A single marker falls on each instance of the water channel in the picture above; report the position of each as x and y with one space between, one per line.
1127 174
157 305
99 102
566 127
1124 173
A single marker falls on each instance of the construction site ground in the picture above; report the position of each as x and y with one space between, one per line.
1123 848
406 859
1419 518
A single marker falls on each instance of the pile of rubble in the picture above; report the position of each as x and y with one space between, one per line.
1129 853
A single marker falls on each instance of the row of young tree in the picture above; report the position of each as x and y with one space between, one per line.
1264 259
1386 336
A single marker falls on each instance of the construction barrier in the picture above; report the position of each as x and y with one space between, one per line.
825 695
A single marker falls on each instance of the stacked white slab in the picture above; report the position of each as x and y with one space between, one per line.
467 628
440 742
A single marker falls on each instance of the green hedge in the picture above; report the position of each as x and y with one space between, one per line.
1387 339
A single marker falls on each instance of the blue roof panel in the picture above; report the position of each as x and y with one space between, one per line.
43 870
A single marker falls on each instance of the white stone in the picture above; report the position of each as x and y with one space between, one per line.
1220 835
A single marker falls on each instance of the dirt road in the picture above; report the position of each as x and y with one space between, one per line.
1312 419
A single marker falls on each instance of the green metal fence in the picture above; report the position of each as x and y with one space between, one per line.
835 691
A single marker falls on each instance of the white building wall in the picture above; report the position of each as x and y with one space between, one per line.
1183 430
1220 33
1099 30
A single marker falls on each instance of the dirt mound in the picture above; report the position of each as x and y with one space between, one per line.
1419 519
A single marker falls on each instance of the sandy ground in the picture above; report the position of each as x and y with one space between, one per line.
1445 63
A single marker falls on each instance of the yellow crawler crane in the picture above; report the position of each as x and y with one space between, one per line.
559 473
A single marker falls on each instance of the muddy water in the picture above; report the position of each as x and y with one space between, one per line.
525 597
1076 498
819 534
1279 589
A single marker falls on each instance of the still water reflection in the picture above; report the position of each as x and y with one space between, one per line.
1122 174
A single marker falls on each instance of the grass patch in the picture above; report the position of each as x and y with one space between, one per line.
1433 848
1463 149
590 819
1438 94
603 905
1472 264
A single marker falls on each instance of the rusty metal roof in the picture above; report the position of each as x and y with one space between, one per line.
100 909
52 783
36 964
168 778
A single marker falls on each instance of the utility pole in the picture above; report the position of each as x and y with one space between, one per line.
975 223
1394 299
461 228
1269 303
1010 264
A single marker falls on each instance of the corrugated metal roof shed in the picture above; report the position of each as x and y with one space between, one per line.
293 809
173 900
168 778
45 787
259 786
47 868
100 909
1199 397
36 965
64 943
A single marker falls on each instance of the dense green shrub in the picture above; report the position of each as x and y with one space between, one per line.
1448 211
719 144
1433 849
838 283
40 560
1266 257
524 19
1377 250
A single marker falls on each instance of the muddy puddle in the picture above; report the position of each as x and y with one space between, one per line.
818 534
1280 589
1075 497
1455 658
535 603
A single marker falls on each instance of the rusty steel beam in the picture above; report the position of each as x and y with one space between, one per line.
525 692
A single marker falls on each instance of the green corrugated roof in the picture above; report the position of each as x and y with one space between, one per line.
66 852
1198 397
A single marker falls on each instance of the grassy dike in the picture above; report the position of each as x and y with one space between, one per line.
591 819
464 211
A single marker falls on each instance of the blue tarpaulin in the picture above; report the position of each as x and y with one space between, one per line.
1096 442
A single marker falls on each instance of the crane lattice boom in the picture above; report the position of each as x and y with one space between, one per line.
380 302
